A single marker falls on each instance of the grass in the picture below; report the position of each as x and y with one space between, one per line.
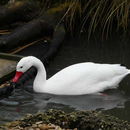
104 16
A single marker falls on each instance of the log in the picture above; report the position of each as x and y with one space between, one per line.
31 31
56 42
42 27
18 11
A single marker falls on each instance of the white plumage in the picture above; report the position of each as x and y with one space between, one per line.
77 79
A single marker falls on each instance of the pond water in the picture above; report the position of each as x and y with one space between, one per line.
116 102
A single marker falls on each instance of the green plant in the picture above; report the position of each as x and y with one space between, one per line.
92 15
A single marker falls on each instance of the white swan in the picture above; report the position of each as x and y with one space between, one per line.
78 79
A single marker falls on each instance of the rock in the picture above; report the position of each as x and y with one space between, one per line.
81 120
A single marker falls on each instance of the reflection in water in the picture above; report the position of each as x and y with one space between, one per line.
115 102
122 113
91 102
23 102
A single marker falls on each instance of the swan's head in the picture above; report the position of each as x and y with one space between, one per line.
23 65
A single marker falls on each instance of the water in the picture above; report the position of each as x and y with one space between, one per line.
115 102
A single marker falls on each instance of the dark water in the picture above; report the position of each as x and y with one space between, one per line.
115 102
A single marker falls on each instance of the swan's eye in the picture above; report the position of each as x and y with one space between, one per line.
21 67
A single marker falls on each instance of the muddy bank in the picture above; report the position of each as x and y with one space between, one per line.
82 120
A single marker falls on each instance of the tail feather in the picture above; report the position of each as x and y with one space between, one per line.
128 71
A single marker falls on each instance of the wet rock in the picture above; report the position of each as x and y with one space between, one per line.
6 89
81 120
6 66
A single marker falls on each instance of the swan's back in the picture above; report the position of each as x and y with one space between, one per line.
85 78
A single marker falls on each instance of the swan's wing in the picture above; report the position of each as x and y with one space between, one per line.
84 77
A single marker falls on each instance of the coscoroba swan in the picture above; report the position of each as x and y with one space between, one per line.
78 79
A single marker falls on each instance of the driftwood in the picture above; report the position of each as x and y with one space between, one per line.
36 29
29 32
18 11
58 37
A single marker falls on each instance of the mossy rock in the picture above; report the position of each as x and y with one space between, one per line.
82 120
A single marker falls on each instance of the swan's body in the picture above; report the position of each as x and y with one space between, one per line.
78 79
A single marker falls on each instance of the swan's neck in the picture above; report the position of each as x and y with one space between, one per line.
40 78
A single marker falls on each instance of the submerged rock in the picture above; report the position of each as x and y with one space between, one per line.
81 120
6 89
